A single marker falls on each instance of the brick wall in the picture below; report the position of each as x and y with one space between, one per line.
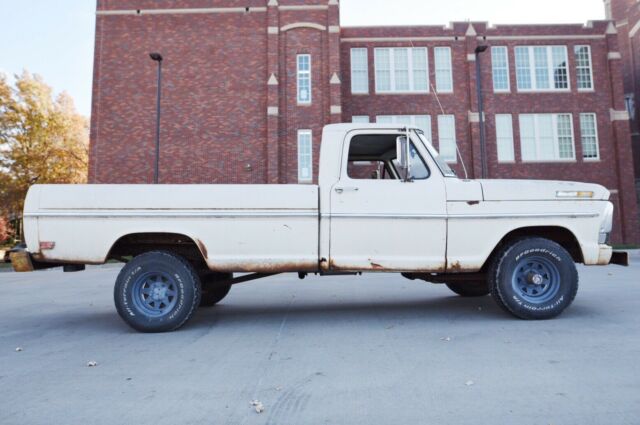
230 112
626 15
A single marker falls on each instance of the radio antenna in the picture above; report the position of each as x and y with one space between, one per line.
464 168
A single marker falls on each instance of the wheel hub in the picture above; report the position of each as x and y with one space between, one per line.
536 279
155 293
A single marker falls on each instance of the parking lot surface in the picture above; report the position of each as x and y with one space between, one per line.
376 349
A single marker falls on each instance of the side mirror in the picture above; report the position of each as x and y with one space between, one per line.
402 156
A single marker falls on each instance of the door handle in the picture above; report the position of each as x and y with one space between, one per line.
346 189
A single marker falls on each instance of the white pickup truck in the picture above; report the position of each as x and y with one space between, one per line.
385 202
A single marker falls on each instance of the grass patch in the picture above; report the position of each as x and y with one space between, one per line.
626 246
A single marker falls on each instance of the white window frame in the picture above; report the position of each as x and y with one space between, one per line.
505 140
302 138
392 79
448 67
595 127
358 72
494 67
441 125
556 142
360 119
532 70
302 75
398 119
590 67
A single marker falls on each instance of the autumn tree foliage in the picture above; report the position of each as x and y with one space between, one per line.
5 230
42 140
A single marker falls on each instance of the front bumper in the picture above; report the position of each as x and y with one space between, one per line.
606 256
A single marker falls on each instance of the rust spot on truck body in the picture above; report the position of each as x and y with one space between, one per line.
376 267
457 267
265 267
203 248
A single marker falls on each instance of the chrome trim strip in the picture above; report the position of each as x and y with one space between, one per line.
171 214
251 214
385 215
524 215
462 216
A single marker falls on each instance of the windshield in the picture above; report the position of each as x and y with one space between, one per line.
444 167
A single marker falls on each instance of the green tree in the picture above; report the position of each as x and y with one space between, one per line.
42 140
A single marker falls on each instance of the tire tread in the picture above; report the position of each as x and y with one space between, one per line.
495 268
191 309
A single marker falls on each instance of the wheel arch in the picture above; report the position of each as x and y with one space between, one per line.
558 234
132 244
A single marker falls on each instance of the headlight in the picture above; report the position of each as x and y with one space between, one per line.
607 224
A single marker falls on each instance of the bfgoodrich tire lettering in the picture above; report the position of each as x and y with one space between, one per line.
534 279
157 292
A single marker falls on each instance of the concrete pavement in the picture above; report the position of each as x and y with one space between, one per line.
376 349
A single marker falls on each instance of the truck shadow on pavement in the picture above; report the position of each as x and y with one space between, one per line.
441 310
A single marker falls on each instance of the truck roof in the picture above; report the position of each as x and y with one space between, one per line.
352 126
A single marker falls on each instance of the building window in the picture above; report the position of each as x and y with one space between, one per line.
359 71
504 137
401 70
305 156
444 75
500 69
304 78
546 137
542 68
589 136
631 105
423 122
447 137
360 119
584 71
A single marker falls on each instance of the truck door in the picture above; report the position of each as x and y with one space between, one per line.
378 221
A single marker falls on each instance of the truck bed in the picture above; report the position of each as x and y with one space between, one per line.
263 228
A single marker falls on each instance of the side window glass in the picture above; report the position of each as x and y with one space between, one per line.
373 157
367 170
419 170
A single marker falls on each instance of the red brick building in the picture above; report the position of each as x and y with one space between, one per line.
248 86
626 15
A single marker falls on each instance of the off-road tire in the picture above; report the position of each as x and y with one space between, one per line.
132 302
514 260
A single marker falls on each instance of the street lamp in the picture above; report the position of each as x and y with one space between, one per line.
157 57
483 148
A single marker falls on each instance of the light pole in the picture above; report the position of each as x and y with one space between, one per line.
157 57
483 148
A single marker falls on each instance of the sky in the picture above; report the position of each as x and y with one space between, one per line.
54 38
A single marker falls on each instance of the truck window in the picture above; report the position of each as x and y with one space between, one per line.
374 170
373 156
